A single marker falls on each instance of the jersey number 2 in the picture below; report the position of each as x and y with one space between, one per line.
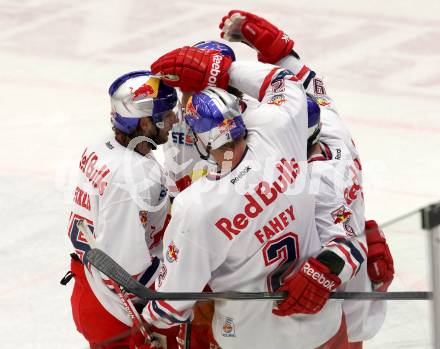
284 252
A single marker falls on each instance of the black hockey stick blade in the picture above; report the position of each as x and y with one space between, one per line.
105 264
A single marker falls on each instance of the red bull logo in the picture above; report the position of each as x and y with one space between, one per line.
322 102
189 139
228 328
277 100
143 217
341 215
190 110
145 90
226 125
172 252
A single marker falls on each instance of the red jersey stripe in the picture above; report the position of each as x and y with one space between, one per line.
266 83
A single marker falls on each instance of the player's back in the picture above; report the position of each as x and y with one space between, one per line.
122 197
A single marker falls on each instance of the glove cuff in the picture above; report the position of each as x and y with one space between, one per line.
374 237
282 51
218 75
320 274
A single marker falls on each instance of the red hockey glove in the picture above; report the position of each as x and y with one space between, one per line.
271 42
380 265
193 69
309 289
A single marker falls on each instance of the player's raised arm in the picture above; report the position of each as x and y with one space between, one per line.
192 69
273 45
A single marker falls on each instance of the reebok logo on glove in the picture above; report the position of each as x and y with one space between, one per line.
319 277
215 70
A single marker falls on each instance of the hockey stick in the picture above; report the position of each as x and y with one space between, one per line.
113 270
399 218
128 304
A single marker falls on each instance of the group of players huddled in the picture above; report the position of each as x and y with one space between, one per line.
266 190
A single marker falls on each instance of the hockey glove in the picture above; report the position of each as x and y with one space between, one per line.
309 288
193 69
380 265
271 42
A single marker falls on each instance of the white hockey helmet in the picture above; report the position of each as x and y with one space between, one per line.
214 116
137 94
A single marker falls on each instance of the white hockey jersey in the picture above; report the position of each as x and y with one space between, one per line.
340 208
342 196
250 229
122 196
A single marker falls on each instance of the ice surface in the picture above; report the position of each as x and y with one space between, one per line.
380 61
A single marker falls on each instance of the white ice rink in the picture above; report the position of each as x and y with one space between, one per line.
381 63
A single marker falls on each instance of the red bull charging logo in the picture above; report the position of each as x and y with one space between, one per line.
226 126
190 110
341 215
145 90
172 252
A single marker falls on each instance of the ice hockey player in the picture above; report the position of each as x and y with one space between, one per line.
336 180
251 225
183 166
182 160
121 194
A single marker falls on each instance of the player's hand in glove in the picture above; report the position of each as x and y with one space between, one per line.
380 265
271 42
309 288
193 69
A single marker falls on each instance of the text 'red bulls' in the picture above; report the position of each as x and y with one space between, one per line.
95 175
266 192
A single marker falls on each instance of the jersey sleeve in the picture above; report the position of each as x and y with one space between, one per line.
191 253
280 119
313 84
302 72
339 228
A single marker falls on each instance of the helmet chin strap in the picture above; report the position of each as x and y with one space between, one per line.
206 157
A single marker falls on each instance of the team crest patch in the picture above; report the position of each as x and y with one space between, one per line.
162 275
143 217
341 215
349 229
323 102
277 100
228 328
172 252
278 85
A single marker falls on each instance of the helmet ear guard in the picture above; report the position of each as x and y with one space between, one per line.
138 94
